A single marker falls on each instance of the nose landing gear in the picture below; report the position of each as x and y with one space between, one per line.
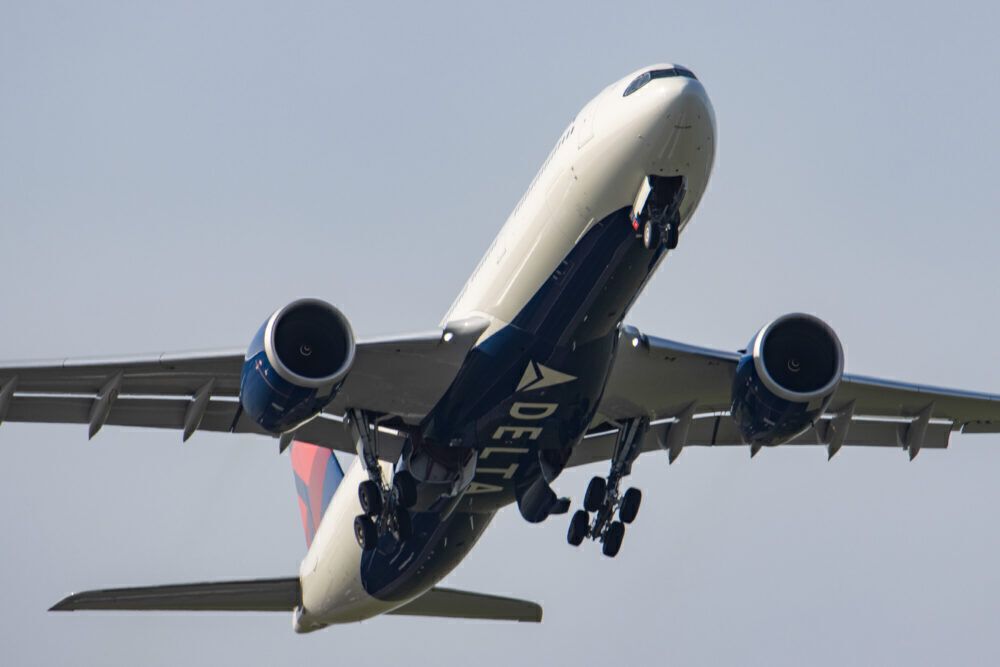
604 500
385 507
656 211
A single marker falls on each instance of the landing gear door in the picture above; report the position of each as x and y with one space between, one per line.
645 189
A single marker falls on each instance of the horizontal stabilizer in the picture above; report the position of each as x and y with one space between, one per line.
449 603
286 595
246 595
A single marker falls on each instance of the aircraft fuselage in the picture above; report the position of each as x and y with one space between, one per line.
554 287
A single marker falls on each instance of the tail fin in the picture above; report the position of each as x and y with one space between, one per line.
317 476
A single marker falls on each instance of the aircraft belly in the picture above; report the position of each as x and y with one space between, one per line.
523 398
504 401
556 284
342 584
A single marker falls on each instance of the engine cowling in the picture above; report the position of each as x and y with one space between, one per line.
295 364
786 378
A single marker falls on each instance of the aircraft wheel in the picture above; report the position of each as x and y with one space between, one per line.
365 532
406 488
613 539
371 497
630 505
650 235
404 524
597 491
578 526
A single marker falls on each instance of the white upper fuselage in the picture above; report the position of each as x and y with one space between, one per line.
665 128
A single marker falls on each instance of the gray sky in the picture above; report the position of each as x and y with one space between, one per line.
170 175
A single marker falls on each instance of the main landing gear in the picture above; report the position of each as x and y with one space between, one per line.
385 506
604 499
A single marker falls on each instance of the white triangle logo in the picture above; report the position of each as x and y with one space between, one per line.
537 376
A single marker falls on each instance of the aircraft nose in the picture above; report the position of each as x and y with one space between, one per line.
683 141
683 105
669 110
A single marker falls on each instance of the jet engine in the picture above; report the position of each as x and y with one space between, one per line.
296 364
786 379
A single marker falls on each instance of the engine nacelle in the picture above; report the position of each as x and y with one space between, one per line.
296 364
786 379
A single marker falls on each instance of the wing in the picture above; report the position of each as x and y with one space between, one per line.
401 378
685 391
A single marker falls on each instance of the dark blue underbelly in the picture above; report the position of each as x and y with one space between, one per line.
570 326
396 571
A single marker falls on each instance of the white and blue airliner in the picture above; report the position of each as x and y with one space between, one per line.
533 370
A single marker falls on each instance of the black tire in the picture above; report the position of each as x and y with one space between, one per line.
406 488
371 498
597 490
365 532
404 524
630 505
673 235
578 527
613 539
650 235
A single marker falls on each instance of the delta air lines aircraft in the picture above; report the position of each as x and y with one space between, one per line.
533 370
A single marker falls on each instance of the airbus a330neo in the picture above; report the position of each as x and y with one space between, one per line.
532 371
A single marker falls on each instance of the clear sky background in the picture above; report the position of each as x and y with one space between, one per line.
169 175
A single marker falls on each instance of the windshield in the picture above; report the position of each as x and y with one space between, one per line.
646 77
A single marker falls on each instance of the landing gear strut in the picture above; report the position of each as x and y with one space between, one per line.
604 499
656 212
385 506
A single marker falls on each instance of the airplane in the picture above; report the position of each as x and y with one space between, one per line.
531 371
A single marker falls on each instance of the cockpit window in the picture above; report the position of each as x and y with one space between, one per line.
646 77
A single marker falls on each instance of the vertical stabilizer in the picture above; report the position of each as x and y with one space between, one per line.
317 476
